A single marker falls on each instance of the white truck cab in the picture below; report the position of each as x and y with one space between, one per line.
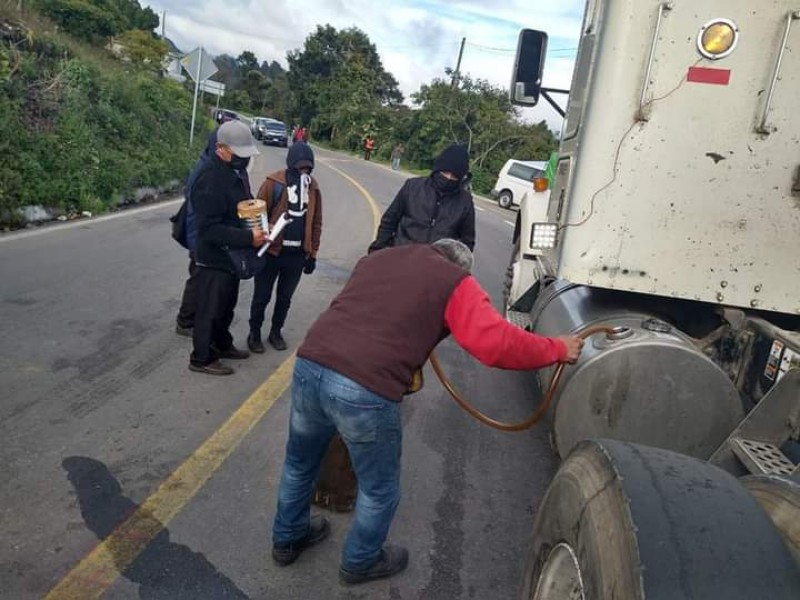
674 221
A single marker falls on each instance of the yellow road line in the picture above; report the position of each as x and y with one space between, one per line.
376 212
100 568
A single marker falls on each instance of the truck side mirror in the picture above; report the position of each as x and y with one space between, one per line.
526 80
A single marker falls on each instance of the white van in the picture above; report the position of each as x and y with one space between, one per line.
516 180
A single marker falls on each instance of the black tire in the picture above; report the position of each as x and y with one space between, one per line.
780 499
505 199
628 522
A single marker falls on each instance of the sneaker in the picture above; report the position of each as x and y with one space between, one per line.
184 331
233 353
254 342
276 340
213 368
393 560
318 530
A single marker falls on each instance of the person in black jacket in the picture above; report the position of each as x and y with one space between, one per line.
214 193
427 209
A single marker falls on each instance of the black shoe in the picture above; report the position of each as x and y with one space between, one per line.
254 342
276 340
184 331
233 353
318 530
213 368
393 560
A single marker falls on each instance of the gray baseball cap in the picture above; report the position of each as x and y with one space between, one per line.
236 135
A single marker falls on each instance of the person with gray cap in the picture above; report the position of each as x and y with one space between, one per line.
215 192
295 192
432 208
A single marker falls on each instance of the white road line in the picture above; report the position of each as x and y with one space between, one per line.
480 209
55 228
508 223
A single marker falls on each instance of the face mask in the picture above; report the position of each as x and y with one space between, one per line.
239 163
443 184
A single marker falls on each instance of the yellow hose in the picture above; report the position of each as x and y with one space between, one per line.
543 405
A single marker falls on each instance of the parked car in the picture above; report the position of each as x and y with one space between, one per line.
275 134
515 180
258 125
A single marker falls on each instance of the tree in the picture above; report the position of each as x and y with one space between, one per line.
143 48
246 62
323 63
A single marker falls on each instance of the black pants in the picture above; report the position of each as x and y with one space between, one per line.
189 299
286 268
217 292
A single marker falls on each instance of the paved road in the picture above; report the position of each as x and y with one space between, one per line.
98 410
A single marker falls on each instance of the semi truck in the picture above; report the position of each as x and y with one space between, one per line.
674 222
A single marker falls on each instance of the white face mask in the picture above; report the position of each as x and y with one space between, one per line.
298 203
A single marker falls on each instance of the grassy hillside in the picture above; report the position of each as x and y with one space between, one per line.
81 129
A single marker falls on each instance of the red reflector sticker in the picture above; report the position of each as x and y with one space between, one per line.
706 75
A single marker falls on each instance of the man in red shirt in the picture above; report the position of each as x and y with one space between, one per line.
353 368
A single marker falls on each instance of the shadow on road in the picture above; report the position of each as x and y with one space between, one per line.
164 570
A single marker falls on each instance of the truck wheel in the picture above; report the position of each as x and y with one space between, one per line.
628 522
780 498
505 199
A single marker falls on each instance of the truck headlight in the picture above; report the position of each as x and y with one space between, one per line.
543 235
718 38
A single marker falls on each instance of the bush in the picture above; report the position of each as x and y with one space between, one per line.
83 134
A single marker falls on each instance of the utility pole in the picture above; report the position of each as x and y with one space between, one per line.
163 24
457 72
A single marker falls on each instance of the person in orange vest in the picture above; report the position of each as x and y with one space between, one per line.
369 146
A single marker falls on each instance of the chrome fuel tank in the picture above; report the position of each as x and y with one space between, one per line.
647 384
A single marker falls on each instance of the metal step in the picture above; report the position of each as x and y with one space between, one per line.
761 457
520 319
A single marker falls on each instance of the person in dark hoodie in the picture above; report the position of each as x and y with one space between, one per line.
427 209
214 194
294 252
185 318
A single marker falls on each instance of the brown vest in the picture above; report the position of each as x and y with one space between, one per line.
386 321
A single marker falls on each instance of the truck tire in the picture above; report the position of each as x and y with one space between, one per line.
505 199
626 522
780 499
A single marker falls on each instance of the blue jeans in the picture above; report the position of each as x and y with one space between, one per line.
323 402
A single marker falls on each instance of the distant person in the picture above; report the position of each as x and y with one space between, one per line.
185 318
351 373
305 135
369 146
215 192
430 208
295 192
397 154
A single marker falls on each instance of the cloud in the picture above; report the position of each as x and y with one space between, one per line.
416 39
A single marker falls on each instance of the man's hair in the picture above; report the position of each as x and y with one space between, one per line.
455 252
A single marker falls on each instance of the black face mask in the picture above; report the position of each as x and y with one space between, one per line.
443 184
239 163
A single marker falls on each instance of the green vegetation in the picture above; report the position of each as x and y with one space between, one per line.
337 86
82 130
88 119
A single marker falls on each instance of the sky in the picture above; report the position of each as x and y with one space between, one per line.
416 39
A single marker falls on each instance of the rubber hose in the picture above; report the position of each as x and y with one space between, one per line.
543 405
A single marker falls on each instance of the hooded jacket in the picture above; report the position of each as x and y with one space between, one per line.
421 213
298 155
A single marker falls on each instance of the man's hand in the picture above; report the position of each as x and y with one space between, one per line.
310 265
574 346
259 239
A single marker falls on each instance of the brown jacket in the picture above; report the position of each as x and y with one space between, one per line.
313 231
